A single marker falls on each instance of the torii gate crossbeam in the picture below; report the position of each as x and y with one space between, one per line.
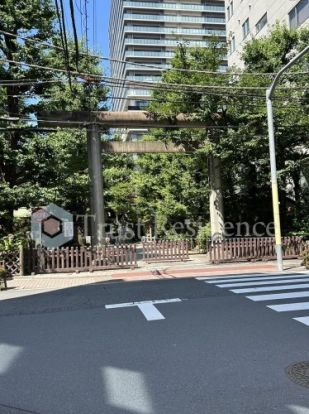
130 119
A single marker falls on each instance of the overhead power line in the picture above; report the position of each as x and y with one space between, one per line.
74 33
240 94
149 99
176 87
96 77
86 25
211 93
27 39
63 36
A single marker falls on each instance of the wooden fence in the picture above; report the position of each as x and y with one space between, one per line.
165 250
12 262
68 259
257 248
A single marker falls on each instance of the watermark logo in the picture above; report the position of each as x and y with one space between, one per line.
51 226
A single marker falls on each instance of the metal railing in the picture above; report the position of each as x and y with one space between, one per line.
174 30
174 6
164 42
144 78
139 92
154 67
160 54
179 19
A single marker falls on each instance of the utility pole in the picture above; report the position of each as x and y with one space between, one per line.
96 185
272 152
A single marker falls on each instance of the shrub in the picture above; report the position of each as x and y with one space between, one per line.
12 242
203 235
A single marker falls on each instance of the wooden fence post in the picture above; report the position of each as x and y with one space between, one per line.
21 261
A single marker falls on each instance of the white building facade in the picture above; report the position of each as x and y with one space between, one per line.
147 33
248 19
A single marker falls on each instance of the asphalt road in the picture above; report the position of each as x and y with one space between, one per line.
213 351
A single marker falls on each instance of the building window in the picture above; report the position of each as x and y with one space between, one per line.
232 45
230 10
245 28
299 14
261 23
142 104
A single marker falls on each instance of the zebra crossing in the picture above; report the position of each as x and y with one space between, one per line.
293 288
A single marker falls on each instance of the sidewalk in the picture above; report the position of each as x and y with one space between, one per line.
156 271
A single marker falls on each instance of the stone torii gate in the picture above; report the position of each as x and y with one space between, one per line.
132 119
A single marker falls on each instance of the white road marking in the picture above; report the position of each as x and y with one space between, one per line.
278 296
150 312
249 279
241 276
270 288
128 304
278 282
147 307
120 305
303 319
287 307
219 278
267 282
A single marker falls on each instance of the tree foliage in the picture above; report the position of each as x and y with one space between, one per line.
237 131
41 167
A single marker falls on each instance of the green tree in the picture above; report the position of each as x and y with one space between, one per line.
119 192
181 97
171 188
269 55
39 167
237 133
34 18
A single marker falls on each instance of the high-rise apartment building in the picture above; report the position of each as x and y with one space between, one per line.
147 33
247 19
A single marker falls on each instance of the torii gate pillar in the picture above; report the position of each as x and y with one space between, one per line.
96 185
216 208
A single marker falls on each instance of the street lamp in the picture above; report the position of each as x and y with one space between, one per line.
272 152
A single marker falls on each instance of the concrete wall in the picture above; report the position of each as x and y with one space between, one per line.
277 10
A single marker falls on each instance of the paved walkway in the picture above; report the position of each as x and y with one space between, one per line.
175 270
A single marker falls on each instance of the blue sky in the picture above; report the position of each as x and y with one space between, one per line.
98 17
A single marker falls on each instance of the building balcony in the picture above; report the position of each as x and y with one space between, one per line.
138 93
144 78
174 19
173 6
174 31
155 67
150 54
164 42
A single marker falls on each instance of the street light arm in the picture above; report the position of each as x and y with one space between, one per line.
271 90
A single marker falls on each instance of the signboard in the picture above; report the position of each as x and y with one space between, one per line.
51 226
